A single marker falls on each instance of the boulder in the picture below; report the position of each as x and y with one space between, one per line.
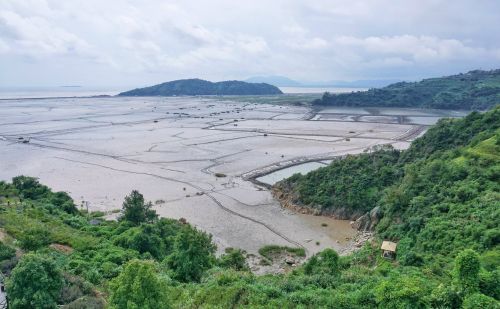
289 261
362 223
368 221
375 215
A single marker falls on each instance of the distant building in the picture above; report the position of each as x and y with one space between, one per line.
388 249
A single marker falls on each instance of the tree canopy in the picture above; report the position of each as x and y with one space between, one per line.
136 211
138 287
35 283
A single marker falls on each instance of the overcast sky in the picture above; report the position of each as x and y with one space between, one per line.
125 43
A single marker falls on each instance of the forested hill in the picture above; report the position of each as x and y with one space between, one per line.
203 87
475 90
352 186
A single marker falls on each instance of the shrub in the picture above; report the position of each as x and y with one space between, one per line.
233 258
467 271
192 255
6 252
489 283
478 300
35 238
325 262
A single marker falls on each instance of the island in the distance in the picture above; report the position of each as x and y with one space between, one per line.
196 86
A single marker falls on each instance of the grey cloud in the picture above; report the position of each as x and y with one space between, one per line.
156 40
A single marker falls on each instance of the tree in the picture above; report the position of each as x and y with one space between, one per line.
148 239
29 187
35 282
136 211
467 268
138 286
192 255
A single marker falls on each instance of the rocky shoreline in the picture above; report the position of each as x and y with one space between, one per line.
364 223
288 201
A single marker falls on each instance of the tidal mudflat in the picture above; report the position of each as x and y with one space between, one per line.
192 157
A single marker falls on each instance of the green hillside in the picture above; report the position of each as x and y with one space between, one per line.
355 185
475 90
202 87
439 200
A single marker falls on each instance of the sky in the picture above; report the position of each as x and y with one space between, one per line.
111 43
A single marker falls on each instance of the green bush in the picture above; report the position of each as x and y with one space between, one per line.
477 300
35 238
233 258
466 271
138 286
35 282
6 252
325 262
192 255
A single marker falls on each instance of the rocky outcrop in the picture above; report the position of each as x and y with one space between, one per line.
368 221
290 200
364 222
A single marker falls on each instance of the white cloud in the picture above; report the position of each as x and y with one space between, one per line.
35 36
407 49
316 39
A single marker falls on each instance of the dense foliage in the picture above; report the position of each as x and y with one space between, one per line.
475 90
439 202
356 184
89 251
138 287
35 283
347 187
203 87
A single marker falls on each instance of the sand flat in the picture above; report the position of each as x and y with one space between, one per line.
99 149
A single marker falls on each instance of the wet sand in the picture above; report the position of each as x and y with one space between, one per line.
99 149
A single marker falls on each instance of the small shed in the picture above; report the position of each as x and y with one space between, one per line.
388 249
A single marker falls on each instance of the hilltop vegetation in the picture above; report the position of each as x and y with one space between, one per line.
439 200
203 87
475 90
355 185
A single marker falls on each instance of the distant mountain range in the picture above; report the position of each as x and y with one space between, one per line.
202 87
475 90
278 81
282 81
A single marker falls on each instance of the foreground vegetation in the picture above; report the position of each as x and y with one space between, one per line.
475 90
439 200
